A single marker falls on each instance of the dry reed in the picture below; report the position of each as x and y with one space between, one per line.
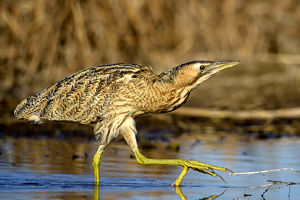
43 41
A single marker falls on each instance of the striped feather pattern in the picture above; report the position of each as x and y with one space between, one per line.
108 95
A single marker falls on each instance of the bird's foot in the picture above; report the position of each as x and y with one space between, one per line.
186 164
200 167
205 168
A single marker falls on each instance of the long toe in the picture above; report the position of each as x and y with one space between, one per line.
199 165
205 168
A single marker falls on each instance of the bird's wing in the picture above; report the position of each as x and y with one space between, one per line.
82 97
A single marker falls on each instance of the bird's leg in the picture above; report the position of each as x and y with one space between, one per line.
180 177
129 136
96 163
186 164
96 192
179 193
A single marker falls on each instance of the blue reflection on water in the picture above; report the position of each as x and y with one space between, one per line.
122 178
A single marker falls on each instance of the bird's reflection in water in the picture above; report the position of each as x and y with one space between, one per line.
177 190
96 191
182 197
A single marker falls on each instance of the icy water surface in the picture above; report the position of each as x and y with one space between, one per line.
62 169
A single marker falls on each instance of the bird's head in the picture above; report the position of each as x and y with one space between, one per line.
195 72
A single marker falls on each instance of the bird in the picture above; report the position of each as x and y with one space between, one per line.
109 97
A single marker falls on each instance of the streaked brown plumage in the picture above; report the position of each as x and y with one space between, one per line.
110 96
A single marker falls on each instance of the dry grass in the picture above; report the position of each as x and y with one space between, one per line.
43 41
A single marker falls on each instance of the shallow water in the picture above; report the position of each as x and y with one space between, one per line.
61 169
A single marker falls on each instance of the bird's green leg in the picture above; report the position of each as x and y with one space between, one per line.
96 192
186 164
128 133
96 163
179 193
180 177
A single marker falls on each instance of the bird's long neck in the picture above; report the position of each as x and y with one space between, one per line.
179 77
173 88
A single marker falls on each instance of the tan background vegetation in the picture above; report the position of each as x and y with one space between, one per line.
43 41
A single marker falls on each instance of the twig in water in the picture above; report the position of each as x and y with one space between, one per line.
282 183
264 171
269 186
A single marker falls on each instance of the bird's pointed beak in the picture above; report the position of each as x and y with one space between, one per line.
220 65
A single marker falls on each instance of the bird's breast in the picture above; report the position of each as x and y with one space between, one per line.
178 100
163 100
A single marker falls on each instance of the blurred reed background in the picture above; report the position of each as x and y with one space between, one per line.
43 41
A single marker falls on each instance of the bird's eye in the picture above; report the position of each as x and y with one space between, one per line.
202 67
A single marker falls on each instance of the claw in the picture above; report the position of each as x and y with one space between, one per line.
211 172
218 175
229 170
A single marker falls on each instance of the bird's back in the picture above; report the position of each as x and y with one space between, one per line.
82 97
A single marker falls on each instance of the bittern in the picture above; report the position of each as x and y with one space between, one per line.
110 96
